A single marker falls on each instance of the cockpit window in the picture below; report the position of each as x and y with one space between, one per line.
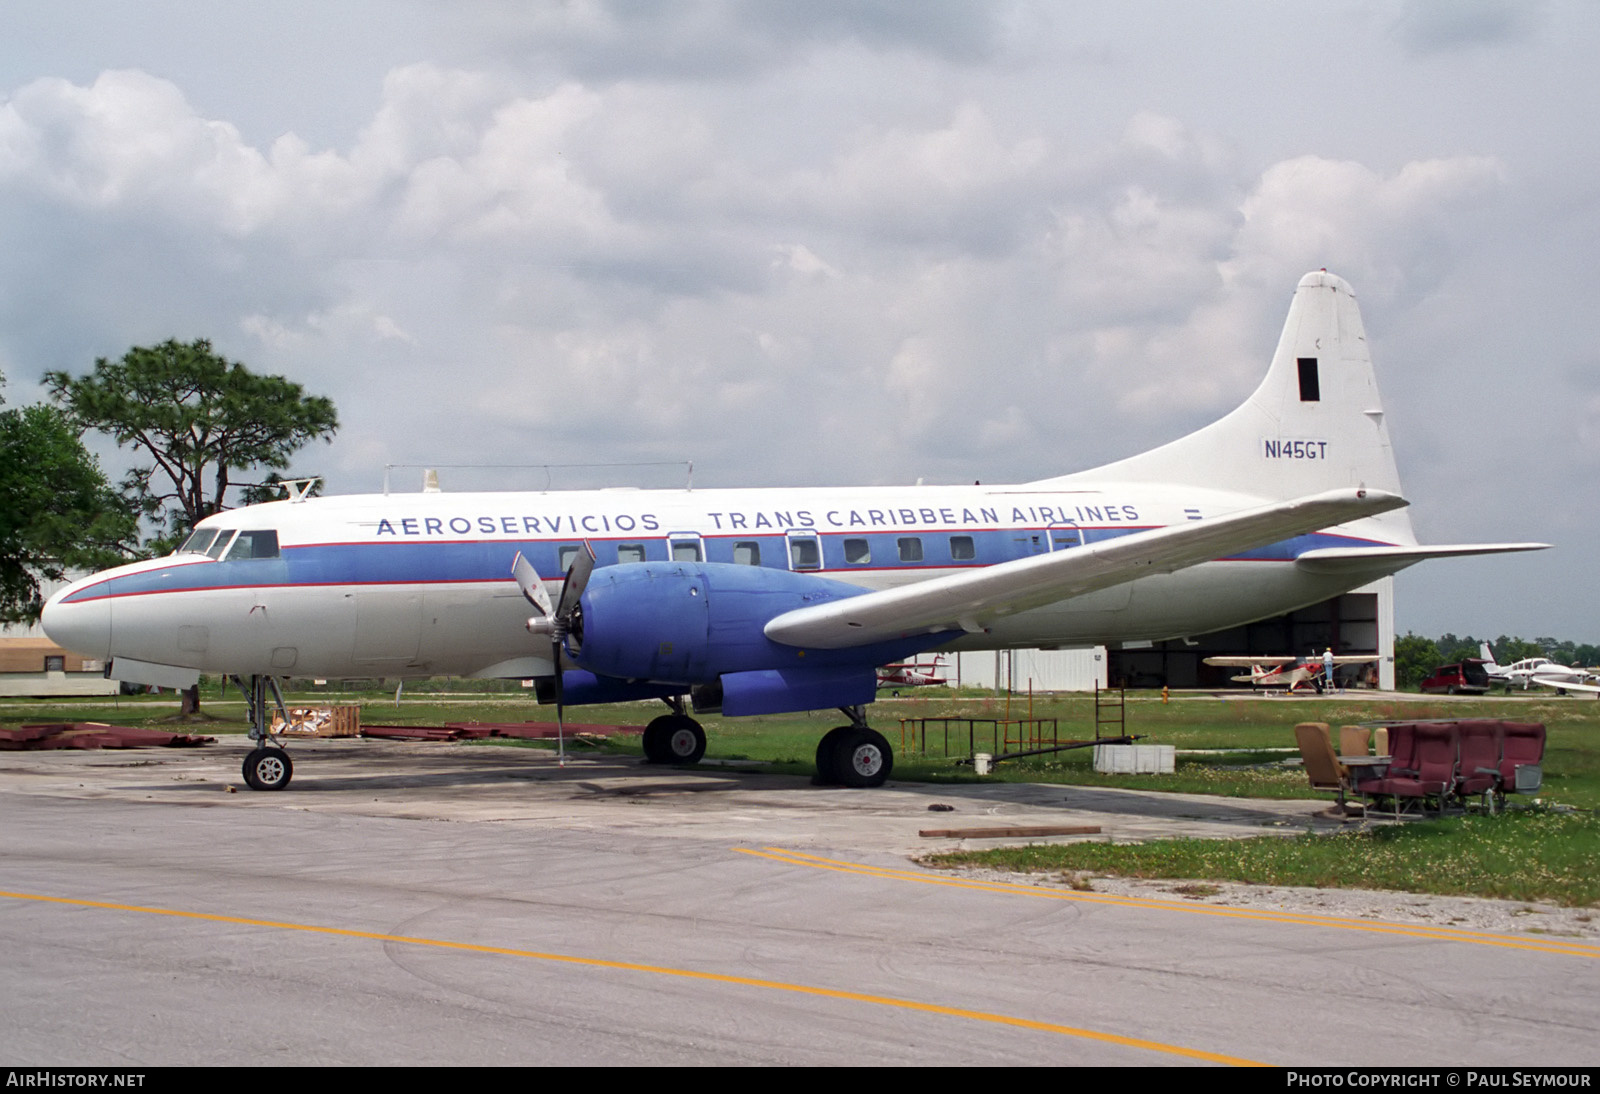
198 541
261 544
220 545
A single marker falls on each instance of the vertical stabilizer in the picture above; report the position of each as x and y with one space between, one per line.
1316 422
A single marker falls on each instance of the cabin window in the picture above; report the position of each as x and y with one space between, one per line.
565 556
1310 388
259 544
857 552
962 549
630 552
198 541
804 554
686 550
747 552
910 548
220 544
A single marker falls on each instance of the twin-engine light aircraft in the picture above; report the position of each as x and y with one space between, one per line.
765 601
1539 672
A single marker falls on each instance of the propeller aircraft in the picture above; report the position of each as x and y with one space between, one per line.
765 601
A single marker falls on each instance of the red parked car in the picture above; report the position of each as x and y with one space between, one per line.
1464 678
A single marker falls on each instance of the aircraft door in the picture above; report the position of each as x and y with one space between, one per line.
1065 536
685 547
805 551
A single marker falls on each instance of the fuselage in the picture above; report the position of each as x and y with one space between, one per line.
420 584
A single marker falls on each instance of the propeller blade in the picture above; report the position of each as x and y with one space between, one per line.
577 580
555 623
532 588
561 735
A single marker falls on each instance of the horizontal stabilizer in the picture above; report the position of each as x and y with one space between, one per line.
970 600
1334 560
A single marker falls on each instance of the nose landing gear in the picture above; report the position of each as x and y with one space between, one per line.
267 767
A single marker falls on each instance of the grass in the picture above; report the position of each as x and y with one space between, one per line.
1552 854
1532 855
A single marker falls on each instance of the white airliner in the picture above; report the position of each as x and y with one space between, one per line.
764 601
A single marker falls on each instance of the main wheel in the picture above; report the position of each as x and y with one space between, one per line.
674 739
828 755
863 758
267 769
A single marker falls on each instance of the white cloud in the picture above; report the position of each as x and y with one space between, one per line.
843 242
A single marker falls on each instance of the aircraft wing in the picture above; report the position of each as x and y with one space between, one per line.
1248 662
1333 560
1566 685
970 599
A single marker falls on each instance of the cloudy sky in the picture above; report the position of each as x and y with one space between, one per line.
837 242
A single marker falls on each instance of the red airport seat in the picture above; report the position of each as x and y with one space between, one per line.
1521 757
1432 777
1479 768
1403 749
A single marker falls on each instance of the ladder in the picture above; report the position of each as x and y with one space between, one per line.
1110 713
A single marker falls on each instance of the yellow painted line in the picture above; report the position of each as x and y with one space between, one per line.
662 970
1450 934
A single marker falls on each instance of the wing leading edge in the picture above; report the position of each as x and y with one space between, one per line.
969 600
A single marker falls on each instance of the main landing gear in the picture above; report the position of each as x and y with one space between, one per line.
267 766
855 755
674 739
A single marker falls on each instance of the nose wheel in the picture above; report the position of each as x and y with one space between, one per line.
267 769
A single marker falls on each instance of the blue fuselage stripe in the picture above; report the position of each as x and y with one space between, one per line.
416 563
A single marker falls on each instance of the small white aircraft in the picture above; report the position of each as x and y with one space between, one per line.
764 601
1288 672
1532 672
1539 672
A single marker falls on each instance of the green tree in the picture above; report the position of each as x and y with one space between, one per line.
56 510
1509 650
1415 658
199 419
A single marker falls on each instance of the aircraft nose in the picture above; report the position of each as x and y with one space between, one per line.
79 624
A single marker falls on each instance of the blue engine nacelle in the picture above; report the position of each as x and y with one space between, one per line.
696 622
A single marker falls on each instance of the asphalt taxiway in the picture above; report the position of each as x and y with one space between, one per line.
449 904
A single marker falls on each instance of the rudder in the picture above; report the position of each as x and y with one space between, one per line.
1315 423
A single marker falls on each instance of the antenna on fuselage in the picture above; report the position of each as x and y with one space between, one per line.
297 490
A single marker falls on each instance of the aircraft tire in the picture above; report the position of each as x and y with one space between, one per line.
674 739
863 759
828 752
267 769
